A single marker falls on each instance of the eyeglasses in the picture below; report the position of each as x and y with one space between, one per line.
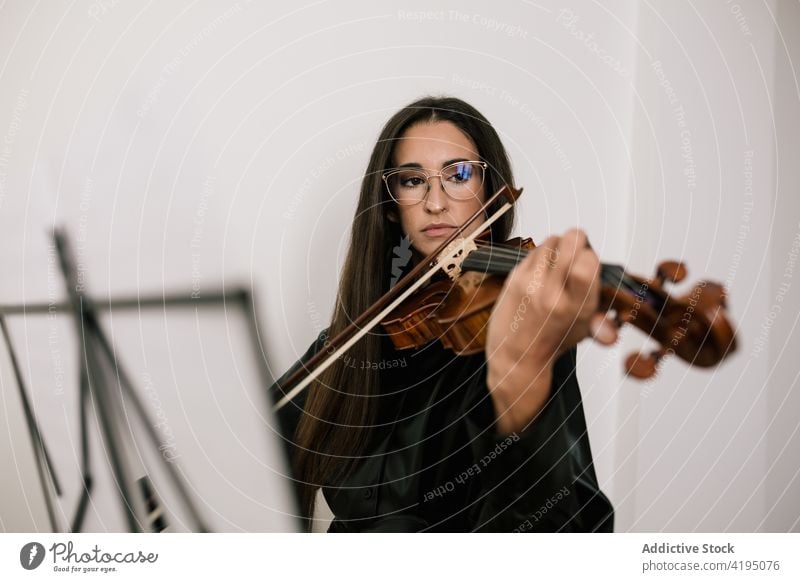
460 181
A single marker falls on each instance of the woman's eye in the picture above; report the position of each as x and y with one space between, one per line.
412 181
461 174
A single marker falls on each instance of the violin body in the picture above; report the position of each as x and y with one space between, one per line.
456 313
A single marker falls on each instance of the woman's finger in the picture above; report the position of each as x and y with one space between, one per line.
583 280
538 264
603 329
568 247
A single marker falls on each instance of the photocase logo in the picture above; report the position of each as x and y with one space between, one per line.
31 555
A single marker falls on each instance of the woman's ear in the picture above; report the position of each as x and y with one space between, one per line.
392 215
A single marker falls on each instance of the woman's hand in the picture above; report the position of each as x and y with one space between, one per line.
547 306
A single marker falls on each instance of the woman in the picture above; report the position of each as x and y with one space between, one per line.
423 440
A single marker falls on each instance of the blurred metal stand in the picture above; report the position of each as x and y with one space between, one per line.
44 467
105 382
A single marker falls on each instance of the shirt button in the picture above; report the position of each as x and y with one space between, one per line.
368 493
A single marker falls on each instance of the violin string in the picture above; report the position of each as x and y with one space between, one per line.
495 260
491 258
502 259
502 251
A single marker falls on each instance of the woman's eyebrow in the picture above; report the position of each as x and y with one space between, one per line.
444 164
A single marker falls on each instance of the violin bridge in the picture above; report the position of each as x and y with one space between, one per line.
454 254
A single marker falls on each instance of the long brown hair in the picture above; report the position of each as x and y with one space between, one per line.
338 412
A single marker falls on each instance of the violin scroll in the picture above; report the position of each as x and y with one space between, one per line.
693 326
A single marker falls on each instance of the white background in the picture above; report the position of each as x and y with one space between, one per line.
219 144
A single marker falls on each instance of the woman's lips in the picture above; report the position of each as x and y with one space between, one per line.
438 231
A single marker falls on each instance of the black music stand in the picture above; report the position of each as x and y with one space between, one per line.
105 383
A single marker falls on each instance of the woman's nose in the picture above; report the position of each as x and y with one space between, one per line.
436 198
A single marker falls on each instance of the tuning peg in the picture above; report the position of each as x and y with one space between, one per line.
673 271
643 366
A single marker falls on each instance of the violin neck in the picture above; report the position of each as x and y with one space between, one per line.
501 260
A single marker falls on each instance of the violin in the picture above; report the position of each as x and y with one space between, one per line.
417 311
456 310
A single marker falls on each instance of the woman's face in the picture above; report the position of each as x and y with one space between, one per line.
431 146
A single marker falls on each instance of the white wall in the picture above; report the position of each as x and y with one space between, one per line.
714 185
218 143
